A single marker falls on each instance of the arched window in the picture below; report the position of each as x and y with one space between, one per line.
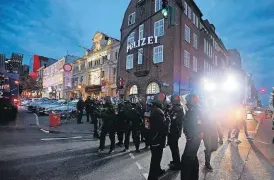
153 88
133 90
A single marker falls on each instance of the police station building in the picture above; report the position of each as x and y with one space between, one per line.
168 54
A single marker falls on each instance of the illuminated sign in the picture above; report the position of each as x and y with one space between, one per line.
142 42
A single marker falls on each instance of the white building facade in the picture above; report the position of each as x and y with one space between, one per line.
56 82
95 74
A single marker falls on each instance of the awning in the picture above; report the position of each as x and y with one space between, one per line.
92 88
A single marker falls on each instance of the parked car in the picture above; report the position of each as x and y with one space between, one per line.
42 108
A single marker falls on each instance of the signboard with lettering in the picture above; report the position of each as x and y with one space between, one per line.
142 42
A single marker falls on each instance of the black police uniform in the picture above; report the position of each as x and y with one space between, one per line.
134 122
121 124
88 104
157 141
177 118
192 129
108 118
80 108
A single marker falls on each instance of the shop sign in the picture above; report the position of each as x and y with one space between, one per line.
142 42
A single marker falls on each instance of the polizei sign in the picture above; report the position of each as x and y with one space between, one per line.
142 42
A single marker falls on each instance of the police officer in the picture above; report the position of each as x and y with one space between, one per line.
121 124
192 130
158 133
88 104
134 122
210 131
108 117
80 108
177 116
146 123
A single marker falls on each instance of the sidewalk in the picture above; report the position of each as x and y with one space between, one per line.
70 127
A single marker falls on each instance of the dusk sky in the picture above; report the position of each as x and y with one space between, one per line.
52 28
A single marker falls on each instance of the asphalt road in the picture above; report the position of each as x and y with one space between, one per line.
28 153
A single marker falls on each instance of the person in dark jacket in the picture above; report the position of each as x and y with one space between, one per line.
177 117
121 124
108 118
88 104
158 133
80 108
192 130
210 131
134 122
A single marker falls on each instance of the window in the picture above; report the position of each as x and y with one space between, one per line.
204 45
131 19
102 74
133 90
129 62
185 8
187 33
158 54
207 48
195 64
189 12
158 5
90 64
195 41
153 88
141 31
140 56
114 71
197 22
186 59
130 38
193 18
159 28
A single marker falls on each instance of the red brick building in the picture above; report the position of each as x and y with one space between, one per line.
156 56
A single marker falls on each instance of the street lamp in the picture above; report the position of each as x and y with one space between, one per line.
79 86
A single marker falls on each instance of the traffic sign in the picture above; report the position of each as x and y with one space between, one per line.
67 67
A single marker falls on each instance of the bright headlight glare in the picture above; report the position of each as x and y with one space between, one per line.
230 85
210 86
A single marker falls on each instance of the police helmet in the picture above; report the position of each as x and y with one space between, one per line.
192 98
175 99
159 99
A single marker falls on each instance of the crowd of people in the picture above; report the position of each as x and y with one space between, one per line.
159 123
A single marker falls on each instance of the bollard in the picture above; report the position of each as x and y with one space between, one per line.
54 120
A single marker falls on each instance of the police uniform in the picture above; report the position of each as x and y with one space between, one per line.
88 104
158 133
177 117
192 130
108 116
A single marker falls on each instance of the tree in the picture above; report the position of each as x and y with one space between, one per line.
31 84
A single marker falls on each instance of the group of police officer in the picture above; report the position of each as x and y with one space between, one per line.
158 124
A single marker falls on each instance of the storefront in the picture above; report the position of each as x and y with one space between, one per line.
94 91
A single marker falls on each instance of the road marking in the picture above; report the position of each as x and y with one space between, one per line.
139 166
45 131
132 156
145 175
37 119
52 139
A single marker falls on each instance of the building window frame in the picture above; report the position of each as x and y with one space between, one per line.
158 5
185 8
189 14
159 28
187 33
131 38
186 59
195 41
131 18
140 56
195 64
158 54
133 90
129 61
141 31
153 88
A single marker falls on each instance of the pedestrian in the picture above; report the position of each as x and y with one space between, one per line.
158 132
192 130
108 118
234 124
177 113
80 109
210 131
88 104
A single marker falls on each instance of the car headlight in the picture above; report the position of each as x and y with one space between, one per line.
210 86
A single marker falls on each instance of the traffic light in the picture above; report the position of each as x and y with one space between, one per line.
122 83
165 8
